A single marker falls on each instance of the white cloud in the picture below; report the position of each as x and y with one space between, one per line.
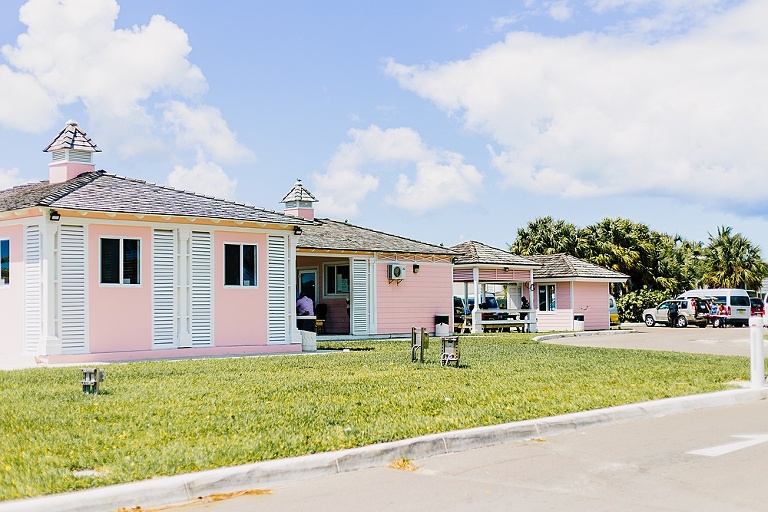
560 11
204 127
441 177
204 177
595 114
11 178
24 104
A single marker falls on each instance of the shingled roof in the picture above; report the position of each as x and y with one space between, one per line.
476 253
565 266
299 193
341 236
101 192
72 137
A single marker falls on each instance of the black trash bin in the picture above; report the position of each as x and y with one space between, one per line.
306 323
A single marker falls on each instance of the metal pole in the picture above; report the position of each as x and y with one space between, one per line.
757 351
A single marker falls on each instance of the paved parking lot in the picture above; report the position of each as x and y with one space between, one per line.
707 340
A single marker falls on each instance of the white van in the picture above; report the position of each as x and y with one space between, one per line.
735 299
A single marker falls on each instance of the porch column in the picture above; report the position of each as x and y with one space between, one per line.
49 277
294 336
184 289
477 316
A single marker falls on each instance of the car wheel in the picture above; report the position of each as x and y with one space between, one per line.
681 322
649 321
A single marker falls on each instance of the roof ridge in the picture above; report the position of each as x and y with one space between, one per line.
195 194
383 233
69 186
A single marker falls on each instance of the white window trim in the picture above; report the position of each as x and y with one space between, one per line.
340 263
547 311
255 286
122 277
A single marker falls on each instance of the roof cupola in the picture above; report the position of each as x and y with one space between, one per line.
71 154
298 202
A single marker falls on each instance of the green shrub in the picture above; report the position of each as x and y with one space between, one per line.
632 304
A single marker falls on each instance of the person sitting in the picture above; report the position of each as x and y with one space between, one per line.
304 306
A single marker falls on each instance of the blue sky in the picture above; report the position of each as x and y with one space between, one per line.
439 121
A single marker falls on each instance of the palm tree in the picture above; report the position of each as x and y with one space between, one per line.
544 235
733 261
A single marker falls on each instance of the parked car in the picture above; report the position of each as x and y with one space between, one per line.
757 307
735 300
613 310
689 311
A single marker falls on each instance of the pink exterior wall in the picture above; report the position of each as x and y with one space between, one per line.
65 171
120 316
12 294
414 301
562 318
591 299
240 313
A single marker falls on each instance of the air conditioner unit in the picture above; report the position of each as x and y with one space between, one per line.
396 272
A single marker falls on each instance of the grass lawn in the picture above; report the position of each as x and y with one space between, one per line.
169 417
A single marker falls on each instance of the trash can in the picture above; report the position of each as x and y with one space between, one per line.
441 325
578 322
308 331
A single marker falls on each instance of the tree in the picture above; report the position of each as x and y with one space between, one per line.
544 235
732 261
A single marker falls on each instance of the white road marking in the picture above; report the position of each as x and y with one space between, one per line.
716 451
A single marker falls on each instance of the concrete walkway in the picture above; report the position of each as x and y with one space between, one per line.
183 488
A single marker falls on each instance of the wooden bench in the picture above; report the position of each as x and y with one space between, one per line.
508 323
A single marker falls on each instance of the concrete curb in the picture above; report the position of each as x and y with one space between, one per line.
187 487
579 334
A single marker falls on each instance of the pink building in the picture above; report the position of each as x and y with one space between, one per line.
97 267
565 293
369 282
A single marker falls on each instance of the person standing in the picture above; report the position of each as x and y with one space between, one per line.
673 310
304 305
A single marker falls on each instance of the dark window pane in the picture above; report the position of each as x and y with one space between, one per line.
110 260
231 265
249 265
330 279
5 262
130 261
542 298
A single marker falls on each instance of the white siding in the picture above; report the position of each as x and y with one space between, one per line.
276 291
202 289
33 318
72 281
163 289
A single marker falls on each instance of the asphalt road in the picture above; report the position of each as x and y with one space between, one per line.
649 465
704 460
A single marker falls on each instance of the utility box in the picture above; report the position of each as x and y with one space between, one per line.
91 379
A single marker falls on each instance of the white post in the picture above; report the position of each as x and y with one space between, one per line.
757 352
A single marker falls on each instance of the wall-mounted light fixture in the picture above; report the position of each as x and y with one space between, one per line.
54 216
415 268
296 230
531 287
506 269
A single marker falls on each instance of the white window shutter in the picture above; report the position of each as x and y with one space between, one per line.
33 317
360 297
163 289
72 280
202 289
276 291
